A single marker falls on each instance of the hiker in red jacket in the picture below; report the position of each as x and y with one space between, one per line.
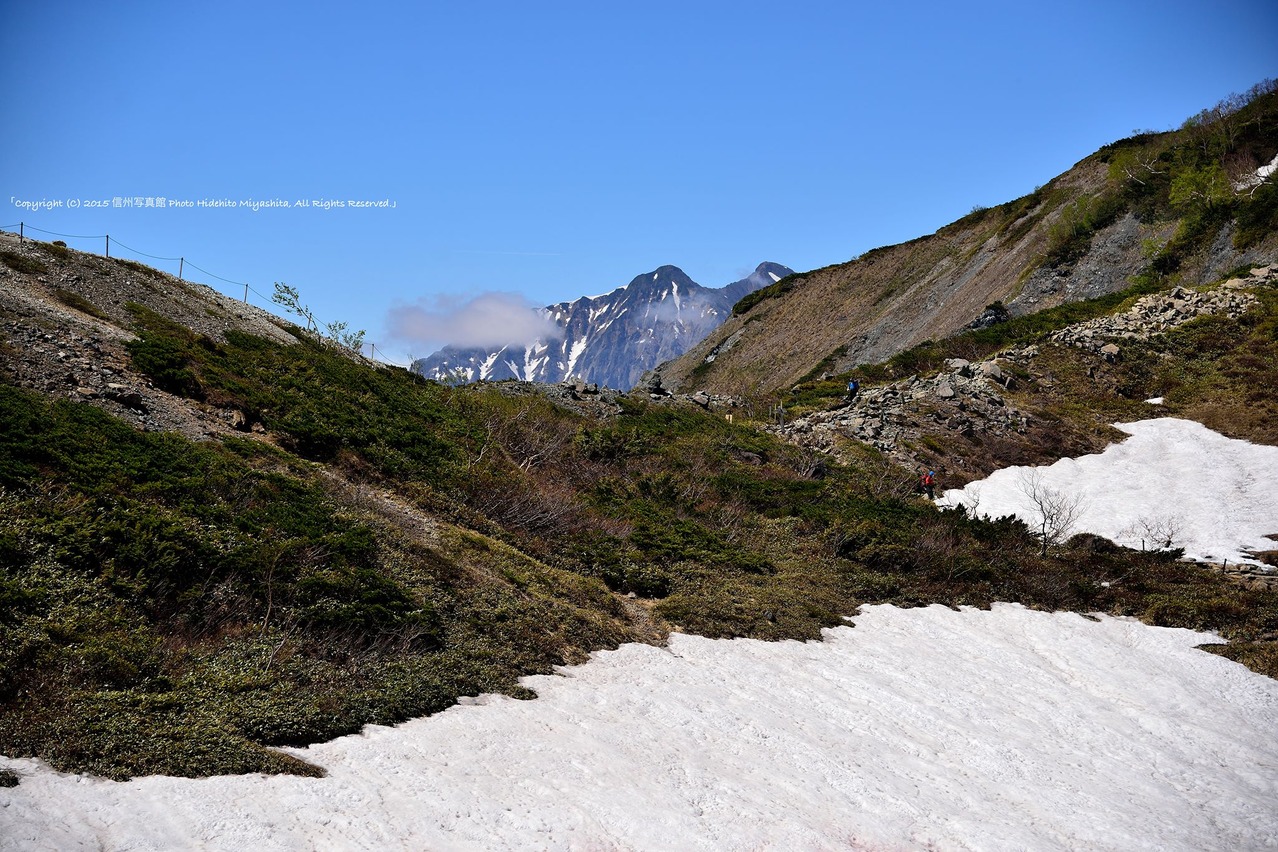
929 484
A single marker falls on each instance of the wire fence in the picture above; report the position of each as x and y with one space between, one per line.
183 263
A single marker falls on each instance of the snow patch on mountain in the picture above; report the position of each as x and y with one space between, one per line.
1217 493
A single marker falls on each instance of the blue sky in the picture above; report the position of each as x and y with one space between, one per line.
553 150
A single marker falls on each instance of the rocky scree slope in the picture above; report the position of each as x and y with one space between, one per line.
971 418
974 398
68 315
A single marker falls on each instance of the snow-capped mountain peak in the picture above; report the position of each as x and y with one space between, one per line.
610 339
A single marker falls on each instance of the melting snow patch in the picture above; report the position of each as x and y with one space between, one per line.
1216 493
1155 400
920 728
1258 177
775 278
577 348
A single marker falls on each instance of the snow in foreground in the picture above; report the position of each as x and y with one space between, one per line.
1217 493
923 728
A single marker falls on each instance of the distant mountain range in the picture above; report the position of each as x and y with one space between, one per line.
611 339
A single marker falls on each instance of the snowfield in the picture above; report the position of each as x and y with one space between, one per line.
924 728
918 729
1219 495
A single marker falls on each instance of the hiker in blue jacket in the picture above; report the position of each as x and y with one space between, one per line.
853 387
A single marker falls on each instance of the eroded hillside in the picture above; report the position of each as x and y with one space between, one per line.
1179 208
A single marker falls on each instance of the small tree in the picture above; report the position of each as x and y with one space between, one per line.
1135 165
1156 532
1057 511
353 340
1200 190
339 332
288 298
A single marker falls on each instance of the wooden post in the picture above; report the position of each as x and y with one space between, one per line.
246 294
181 266
108 239
21 225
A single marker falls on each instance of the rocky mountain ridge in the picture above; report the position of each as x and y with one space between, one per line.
611 339
1154 205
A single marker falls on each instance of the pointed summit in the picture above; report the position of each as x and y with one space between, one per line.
612 339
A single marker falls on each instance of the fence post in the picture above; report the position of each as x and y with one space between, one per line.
181 266
21 225
246 294
108 239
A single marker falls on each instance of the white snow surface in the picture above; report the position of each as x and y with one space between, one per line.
919 729
578 347
1219 492
1258 177
486 369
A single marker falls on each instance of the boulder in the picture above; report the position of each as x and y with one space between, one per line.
651 383
130 399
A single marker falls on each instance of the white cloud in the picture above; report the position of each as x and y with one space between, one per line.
487 320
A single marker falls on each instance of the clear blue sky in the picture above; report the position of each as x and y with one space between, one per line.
559 149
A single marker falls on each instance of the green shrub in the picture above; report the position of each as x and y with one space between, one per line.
75 300
774 290
57 249
1257 215
22 263
1070 236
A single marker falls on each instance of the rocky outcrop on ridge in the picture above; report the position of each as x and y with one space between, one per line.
1161 312
961 398
971 399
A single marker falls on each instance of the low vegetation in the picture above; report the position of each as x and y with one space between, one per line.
22 263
